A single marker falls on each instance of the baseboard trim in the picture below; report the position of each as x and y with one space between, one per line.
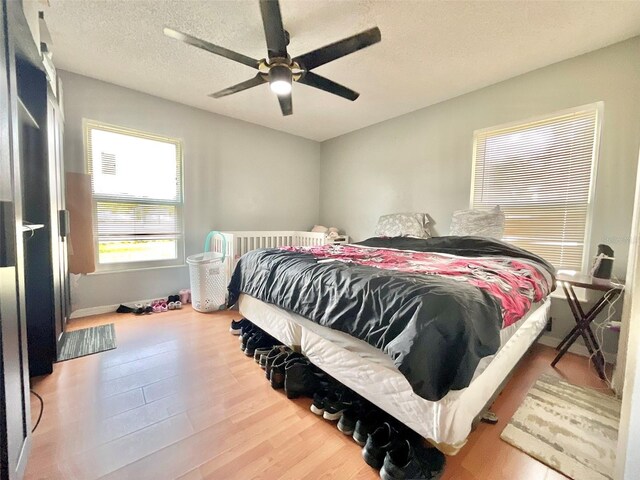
577 348
88 312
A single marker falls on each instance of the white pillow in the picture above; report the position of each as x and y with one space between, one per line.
404 225
481 223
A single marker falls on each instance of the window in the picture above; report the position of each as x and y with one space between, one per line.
136 181
541 173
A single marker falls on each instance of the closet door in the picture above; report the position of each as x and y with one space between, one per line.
14 382
59 217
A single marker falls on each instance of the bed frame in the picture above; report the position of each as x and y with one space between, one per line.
445 424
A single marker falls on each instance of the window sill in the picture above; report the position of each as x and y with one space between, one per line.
138 269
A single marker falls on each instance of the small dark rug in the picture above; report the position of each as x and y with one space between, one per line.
87 341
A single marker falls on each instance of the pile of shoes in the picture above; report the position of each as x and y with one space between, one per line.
401 455
172 302
388 446
284 368
251 337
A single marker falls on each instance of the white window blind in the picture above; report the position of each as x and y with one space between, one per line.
137 193
541 173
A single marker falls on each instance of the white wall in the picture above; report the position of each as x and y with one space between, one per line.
237 176
627 372
30 9
422 161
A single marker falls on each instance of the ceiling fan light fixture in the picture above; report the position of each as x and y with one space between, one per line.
280 79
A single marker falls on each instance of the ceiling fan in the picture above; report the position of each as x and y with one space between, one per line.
279 69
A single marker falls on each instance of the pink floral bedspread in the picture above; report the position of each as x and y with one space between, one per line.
516 283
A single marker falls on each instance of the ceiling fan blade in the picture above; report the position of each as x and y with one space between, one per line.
273 28
317 81
339 49
285 104
252 82
210 47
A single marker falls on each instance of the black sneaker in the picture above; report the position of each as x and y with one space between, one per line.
125 309
236 326
278 368
403 462
317 407
259 340
262 360
260 352
300 379
335 404
366 424
271 356
377 446
321 377
348 420
247 329
244 339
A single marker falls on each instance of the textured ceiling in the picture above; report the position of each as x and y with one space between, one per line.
430 51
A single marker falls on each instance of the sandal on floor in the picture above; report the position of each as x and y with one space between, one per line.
156 306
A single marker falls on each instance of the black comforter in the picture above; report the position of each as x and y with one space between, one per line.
435 329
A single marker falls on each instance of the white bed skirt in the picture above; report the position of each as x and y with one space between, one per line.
371 373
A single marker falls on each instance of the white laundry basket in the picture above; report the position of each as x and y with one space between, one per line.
208 279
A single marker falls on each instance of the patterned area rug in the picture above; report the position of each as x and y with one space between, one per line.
86 341
573 430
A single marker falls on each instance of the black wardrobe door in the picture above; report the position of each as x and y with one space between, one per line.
14 382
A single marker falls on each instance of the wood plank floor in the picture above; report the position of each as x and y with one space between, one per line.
177 399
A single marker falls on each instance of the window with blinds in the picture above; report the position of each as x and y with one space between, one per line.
541 173
136 183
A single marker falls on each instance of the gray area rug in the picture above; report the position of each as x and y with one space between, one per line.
79 343
573 430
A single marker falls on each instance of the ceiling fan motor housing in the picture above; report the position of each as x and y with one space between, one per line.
280 72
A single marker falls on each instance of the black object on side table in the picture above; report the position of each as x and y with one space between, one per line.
583 319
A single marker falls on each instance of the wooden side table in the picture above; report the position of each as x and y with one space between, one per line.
583 320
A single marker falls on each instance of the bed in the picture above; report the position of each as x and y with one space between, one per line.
333 304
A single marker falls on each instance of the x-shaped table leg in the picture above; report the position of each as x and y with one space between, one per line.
583 328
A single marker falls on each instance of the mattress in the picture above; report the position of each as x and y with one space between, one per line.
446 423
